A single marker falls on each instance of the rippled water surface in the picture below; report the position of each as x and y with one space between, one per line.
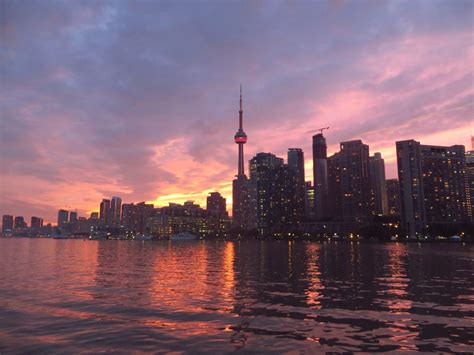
123 296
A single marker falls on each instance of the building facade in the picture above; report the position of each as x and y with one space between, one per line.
135 216
393 197
320 176
115 211
349 184
433 185
378 186
7 224
63 218
296 163
216 205
36 222
274 195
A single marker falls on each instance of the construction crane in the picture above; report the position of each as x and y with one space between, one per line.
318 130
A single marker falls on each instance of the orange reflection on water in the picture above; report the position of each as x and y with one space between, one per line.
313 293
397 281
403 331
229 276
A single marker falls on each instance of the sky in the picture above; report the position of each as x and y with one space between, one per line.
139 99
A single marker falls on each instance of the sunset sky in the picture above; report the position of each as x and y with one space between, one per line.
139 99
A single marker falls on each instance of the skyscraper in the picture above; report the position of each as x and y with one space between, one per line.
378 187
216 205
320 176
273 194
135 216
349 185
7 224
72 217
19 222
296 163
309 201
393 197
240 185
115 211
63 217
104 213
470 181
433 185
36 222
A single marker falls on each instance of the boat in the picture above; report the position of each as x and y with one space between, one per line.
455 238
183 236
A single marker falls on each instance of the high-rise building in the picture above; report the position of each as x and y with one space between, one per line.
433 185
320 176
7 224
135 216
309 201
296 163
349 184
393 197
274 187
378 187
36 222
241 214
216 205
72 217
19 222
127 215
115 211
105 213
63 217
470 181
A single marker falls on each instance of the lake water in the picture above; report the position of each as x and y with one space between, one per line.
216 296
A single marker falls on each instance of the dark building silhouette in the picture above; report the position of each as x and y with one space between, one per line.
320 176
94 216
309 201
72 217
296 163
115 211
36 222
241 214
393 197
470 182
127 215
63 217
378 187
190 217
216 205
7 224
433 185
274 191
135 216
105 213
19 223
349 184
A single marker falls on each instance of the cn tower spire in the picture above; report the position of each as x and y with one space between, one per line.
240 138
241 111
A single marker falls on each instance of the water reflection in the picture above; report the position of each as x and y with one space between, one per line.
221 296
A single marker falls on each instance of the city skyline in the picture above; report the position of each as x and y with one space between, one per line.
79 128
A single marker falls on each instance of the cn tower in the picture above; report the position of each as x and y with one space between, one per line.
240 185
240 138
